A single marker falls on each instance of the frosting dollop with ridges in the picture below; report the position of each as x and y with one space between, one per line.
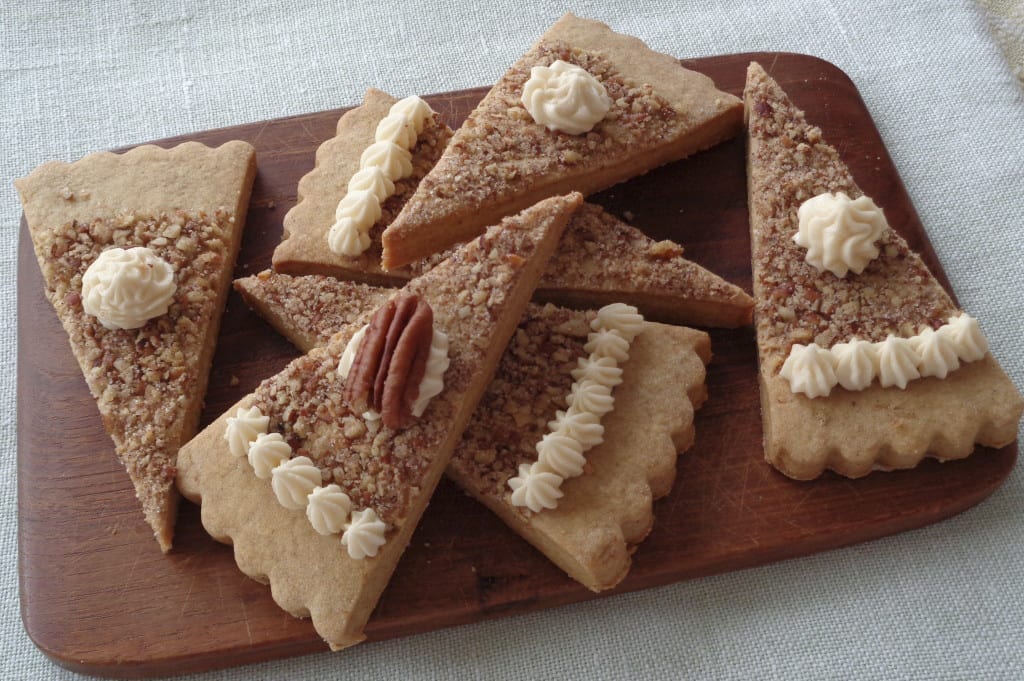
415 110
965 332
328 509
590 396
608 343
897 362
397 129
536 489
386 161
810 369
856 363
619 317
294 480
936 353
433 377
395 161
578 429
839 233
348 238
561 454
373 180
124 289
364 534
566 98
603 370
267 452
361 206
583 426
243 428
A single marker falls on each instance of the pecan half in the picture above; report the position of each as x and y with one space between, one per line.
405 306
410 361
361 377
392 360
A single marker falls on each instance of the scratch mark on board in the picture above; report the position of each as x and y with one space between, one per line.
131 573
188 595
245 618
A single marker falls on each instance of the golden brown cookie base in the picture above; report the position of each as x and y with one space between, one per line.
500 160
592 534
855 433
852 433
304 249
188 205
311 574
607 511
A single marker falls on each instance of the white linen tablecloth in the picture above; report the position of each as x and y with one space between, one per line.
942 602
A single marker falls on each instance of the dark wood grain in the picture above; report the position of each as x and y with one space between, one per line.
99 597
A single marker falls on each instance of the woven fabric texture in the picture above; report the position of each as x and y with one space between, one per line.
1006 19
945 602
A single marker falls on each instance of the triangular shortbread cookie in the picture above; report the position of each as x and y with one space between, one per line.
599 260
605 512
304 248
187 206
602 260
501 160
851 431
386 474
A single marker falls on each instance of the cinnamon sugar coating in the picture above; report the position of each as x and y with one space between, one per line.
313 306
790 163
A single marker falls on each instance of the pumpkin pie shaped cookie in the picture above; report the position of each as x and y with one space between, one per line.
320 476
583 109
137 250
865 361
601 514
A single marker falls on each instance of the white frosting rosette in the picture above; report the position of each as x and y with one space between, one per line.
124 289
566 98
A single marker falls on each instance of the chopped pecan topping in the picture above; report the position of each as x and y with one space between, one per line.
790 163
391 360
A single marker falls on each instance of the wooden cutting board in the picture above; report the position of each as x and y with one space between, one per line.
98 597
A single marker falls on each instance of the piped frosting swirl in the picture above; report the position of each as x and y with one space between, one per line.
328 509
560 453
294 480
267 452
839 233
381 165
364 535
566 98
894 362
243 428
124 289
535 488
